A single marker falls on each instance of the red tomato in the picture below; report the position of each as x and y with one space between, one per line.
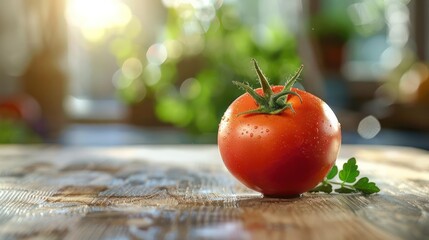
281 155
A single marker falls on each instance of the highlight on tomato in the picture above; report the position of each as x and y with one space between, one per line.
279 140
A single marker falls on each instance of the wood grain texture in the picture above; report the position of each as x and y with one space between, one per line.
184 192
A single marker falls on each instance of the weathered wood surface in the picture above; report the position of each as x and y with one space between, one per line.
184 192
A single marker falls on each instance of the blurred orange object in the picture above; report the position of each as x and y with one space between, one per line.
414 85
20 108
422 93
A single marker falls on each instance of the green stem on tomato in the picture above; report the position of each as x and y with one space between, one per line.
270 102
266 88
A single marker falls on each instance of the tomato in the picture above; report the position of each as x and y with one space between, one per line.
280 154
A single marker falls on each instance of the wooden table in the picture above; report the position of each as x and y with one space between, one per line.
184 192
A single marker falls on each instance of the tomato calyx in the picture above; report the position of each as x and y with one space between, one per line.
270 102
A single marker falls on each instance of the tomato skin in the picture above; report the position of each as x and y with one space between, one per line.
280 155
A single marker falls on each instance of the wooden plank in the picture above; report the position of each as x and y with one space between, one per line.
185 192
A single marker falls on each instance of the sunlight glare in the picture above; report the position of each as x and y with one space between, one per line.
97 14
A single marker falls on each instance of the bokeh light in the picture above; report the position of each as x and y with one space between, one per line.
206 13
156 54
369 127
197 4
397 18
391 58
131 89
151 74
120 81
190 88
132 68
410 82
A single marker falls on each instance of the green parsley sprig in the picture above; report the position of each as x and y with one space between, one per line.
348 184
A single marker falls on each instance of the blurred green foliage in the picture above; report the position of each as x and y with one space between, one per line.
13 132
192 91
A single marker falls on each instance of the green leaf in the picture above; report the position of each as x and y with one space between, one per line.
350 171
348 175
326 188
345 190
365 186
332 173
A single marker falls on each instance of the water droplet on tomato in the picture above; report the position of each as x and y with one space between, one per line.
251 135
259 137
256 127
267 130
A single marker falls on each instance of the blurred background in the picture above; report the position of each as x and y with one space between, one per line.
109 72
